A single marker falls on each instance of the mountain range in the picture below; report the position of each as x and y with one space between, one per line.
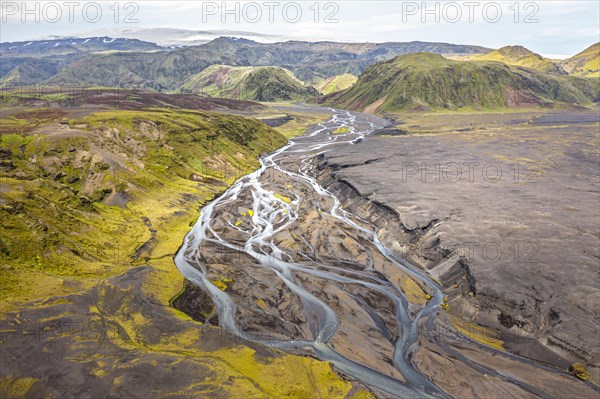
70 45
153 68
239 68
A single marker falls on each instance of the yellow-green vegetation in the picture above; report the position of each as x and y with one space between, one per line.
520 56
364 395
78 205
283 198
17 388
300 122
341 130
579 371
283 377
115 195
23 121
413 291
235 370
478 333
585 63
336 83
261 304
426 81
256 83
445 305
223 283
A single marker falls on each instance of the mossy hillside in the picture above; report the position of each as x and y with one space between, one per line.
237 369
520 56
87 204
585 63
21 122
29 72
428 81
20 388
265 83
121 322
336 83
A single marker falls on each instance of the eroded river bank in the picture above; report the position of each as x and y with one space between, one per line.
299 257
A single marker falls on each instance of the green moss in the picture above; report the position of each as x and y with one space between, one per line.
478 333
58 222
13 141
11 387
363 395
57 238
423 81
579 371
223 283
585 63
341 130
263 83
520 56
336 83
283 377
25 121
283 198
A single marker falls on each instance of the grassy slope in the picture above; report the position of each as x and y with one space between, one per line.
30 72
520 56
429 81
57 187
585 63
336 83
61 235
248 83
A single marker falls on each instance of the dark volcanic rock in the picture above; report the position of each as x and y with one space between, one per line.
504 213
196 303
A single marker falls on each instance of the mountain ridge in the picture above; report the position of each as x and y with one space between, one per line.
68 45
263 83
165 69
521 56
421 81
585 63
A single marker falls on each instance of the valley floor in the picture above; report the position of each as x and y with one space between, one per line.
503 210
90 227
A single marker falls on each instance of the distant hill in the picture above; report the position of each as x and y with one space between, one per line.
265 83
180 37
30 72
585 63
520 56
336 83
315 61
425 81
165 69
35 62
45 48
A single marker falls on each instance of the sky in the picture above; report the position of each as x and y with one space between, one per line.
552 28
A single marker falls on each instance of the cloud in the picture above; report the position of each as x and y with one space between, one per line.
564 27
